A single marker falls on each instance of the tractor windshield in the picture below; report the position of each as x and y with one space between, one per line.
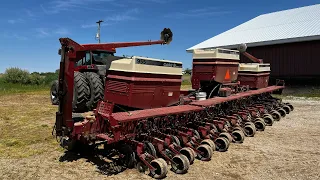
100 57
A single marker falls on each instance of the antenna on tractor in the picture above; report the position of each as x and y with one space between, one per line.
98 33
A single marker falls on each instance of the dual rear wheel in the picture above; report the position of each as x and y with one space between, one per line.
88 90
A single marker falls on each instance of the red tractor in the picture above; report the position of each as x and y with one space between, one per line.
149 121
92 68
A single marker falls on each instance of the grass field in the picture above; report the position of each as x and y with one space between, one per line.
26 124
25 127
9 88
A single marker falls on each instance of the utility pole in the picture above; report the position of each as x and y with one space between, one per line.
98 33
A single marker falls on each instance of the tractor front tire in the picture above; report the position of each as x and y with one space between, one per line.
54 92
81 93
96 89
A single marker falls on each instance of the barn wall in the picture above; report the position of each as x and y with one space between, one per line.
294 60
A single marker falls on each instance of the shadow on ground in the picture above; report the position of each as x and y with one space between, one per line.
107 162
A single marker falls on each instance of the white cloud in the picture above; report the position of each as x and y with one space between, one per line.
29 13
20 37
14 21
15 36
57 6
150 1
209 11
61 31
42 32
123 16
51 32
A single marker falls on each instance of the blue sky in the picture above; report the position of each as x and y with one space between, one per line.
30 29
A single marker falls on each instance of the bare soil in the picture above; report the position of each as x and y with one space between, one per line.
287 150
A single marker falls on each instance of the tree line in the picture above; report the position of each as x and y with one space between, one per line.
17 75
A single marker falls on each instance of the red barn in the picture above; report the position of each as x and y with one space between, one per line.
289 40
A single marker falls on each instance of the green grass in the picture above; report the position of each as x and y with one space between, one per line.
311 94
186 80
9 88
302 91
26 122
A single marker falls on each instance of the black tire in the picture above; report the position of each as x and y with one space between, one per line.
222 144
207 152
249 123
249 130
238 136
189 153
210 143
69 144
226 135
287 109
96 89
129 158
196 134
276 115
81 93
149 148
176 140
290 105
54 92
161 168
282 112
268 120
260 125
181 164
238 128
142 168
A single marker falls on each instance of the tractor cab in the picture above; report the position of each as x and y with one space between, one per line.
97 57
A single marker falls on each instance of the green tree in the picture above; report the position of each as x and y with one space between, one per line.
16 75
35 79
35 73
187 71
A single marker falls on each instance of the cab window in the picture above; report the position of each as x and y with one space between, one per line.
80 62
101 57
87 60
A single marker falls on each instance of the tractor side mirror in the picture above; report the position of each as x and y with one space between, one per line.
59 51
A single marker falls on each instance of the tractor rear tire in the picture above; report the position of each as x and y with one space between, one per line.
81 93
54 92
96 89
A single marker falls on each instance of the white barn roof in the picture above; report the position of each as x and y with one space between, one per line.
293 25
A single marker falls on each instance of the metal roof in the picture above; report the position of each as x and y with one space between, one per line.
293 25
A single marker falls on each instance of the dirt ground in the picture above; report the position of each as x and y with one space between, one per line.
287 150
